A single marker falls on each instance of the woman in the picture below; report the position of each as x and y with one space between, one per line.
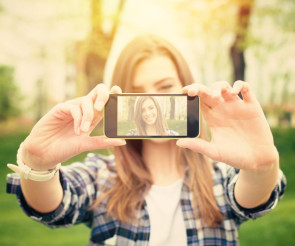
149 119
154 191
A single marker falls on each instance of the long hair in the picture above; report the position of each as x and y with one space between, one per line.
133 178
139 122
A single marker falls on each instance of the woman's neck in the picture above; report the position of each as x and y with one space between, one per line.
160 158
151 130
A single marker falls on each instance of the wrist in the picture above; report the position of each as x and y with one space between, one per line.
29 155
27 172
269 170
264 164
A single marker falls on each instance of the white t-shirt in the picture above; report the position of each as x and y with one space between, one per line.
166 219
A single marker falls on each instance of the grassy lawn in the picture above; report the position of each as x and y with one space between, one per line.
276 228
178 126
124 127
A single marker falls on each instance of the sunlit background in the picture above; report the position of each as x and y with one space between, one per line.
52 51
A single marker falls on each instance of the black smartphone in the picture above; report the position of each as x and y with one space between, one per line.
142 116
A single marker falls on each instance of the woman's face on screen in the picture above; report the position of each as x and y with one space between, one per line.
149 112
157 74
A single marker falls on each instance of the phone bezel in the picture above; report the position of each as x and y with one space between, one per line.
110 117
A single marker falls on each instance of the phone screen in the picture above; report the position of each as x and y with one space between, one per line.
151 116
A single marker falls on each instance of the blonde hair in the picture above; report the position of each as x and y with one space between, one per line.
133 178
140 124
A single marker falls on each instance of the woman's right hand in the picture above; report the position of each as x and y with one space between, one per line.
64 131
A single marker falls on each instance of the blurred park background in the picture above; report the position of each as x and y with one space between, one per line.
51 51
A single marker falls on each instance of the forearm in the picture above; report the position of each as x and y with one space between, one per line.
43 196
254 188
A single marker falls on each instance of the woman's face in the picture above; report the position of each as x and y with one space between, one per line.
157 74
149 112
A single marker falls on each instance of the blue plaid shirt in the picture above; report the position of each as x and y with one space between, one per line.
81 182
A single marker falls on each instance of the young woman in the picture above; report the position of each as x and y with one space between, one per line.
158 191
149 119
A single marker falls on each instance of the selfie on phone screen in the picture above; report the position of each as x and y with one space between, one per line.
151 116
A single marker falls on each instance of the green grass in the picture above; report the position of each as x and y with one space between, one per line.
277 227
178 126
15 227
274 229
124 127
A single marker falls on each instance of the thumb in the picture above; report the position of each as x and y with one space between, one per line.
99 142
199 145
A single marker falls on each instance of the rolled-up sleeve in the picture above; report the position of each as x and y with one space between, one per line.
244 214
80 184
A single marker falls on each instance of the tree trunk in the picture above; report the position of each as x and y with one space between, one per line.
172 112
98 45
238 47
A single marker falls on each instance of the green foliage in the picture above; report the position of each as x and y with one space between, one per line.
281 12
9 95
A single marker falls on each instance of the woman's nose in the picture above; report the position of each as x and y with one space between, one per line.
149 112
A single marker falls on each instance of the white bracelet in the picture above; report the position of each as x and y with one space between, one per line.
27 173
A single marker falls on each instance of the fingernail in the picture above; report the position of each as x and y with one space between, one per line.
99 105
85 127
192 92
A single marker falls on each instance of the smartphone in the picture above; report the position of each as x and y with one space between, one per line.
142 116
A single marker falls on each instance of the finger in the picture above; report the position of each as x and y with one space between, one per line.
73 110
87 113
184 90
194 87
116 90
202 91
77 116
227 95
99 142
101 95
218 87
244 88
222 90
199 145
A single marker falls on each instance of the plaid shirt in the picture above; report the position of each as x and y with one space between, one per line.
81 182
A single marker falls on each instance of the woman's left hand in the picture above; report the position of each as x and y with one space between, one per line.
241 136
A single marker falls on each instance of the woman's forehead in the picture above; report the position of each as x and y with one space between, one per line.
147 102
153 71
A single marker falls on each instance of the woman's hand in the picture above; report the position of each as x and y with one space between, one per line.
64 131
241 136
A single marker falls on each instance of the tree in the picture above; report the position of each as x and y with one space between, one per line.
172 112
95 49
238 47
9 94
220 28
